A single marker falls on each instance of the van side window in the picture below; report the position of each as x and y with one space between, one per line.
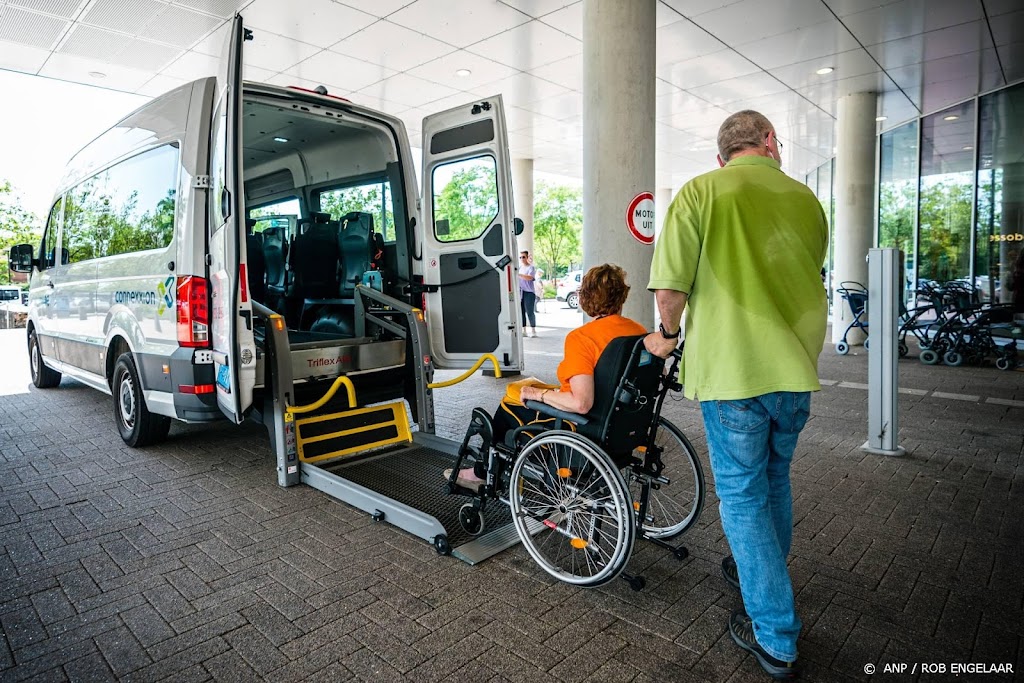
465 198
126 208
280 207
373 197
49 256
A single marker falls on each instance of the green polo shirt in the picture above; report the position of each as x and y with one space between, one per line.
746 243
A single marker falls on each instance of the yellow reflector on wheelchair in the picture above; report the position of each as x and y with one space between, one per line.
578 543
636 505
564 472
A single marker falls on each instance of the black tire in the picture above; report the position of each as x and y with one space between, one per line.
674 507
43 377
137 426
904 349
573 300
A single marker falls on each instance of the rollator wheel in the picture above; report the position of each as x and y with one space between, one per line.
571 509
953 359
842 348
867 343
903 349
1005 364
929 357
674 507
471 519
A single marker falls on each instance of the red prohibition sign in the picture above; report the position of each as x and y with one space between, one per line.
640 218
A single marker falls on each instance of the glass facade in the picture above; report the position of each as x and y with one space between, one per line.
822 183
951 195
897 191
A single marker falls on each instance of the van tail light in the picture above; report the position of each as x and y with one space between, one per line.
193 309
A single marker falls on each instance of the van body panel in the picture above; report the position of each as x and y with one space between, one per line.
470 254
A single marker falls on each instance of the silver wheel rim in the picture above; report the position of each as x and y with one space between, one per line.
579 528
672 508
34 359
126 401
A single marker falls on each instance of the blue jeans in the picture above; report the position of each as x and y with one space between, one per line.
751 442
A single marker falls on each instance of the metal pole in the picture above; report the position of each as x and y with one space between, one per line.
883 354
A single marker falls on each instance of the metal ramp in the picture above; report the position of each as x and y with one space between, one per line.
367 456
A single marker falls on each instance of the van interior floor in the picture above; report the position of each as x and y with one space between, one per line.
413 475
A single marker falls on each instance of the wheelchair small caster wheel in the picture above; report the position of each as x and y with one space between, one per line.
637 583
441 545
681 553
471 519
929 357
1005 364
377 516
904 349
953 359
842 348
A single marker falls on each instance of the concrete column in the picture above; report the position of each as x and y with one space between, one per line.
855 201
522 191
618 137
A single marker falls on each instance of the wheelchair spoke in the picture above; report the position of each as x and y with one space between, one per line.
673 506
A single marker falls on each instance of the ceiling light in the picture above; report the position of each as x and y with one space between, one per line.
97 74
881 118
824 70
280 139
968 148
951 117
462 73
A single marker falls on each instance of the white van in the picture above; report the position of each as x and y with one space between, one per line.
169 226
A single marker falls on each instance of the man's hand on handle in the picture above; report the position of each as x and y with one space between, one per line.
659 345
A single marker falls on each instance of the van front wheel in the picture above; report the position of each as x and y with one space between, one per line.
137 426
42 376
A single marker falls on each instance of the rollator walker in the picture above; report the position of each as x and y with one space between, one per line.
582 488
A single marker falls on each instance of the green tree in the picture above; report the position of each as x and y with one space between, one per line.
557 226
374 199
17 226
467 200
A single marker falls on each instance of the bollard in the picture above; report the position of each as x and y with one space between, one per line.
883 353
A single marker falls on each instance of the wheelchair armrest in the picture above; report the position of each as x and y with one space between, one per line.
551 411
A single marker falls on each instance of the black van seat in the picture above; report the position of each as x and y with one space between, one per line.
257 267
315 265
357 243
275 254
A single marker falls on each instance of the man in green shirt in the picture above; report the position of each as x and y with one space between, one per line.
741 250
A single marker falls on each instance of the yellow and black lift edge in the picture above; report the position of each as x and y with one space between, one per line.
369 456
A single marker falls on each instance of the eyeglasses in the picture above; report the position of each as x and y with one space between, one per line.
778 142
524 257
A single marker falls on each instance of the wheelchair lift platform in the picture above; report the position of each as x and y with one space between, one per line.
367 456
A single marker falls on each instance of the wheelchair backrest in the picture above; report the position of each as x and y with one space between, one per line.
627 384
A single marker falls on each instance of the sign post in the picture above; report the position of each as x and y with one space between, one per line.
884 291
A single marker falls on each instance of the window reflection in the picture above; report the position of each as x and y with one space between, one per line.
999 241
946 194
897 197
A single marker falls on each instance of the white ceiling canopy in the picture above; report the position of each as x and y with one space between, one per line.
412 57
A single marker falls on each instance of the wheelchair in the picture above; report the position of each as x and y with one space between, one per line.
582 488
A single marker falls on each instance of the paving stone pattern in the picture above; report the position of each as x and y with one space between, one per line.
187 562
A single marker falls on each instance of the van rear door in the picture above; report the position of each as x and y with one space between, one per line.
234 348
469 238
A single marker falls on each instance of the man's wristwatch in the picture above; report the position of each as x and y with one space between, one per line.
665 333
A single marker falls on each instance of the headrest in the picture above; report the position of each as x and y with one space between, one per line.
320 217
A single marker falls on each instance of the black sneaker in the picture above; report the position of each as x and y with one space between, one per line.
730 573
741 628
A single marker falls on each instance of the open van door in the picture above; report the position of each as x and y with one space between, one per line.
469 242
234 348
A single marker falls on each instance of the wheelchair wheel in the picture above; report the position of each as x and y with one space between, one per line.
672 507
842 348
571 509
903 349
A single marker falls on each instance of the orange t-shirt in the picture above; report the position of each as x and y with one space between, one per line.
584 345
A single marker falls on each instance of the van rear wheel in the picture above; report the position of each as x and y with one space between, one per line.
138 427
43 377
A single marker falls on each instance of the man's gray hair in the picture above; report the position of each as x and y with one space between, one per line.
743 130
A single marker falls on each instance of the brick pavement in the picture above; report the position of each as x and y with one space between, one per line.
187 561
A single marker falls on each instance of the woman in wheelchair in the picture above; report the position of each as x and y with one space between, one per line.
583 464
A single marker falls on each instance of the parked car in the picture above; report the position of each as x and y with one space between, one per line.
569 288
